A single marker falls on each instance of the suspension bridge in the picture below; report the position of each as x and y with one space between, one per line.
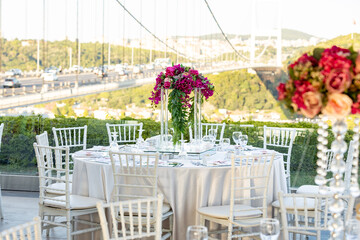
117 45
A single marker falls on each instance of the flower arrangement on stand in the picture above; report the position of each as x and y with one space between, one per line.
326 83
182 81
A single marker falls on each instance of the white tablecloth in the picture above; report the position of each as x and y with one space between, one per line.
185 188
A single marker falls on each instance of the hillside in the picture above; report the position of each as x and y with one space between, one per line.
22 54
235 90
287 34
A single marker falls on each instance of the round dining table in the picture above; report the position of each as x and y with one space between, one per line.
186 185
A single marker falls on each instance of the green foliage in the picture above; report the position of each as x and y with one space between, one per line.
15 54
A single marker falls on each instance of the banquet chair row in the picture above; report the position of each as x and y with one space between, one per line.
27 231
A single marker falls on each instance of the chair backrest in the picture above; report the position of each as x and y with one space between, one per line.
126 132
43 139
135 175
26 231
70 137
205 127
309 213
280 138
348 166
51 171
249 185
126 221
1 132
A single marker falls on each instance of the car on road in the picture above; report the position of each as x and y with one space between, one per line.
75 68
52 69
101 71
122 72
13 72
137 69
50 76
11 83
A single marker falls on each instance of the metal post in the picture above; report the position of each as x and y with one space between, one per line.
77 44
37 57
132 56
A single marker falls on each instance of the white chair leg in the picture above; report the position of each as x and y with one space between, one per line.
171 226
230 229
1 210
50 218
68 226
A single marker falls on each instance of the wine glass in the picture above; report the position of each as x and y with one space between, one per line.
114 145
243 139
225 143
269 229
140 140
236 137
352 229
212 133
196 233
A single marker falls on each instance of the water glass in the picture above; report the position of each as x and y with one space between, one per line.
114 145
269 229
225 143
236 137
196 233
212 133
243 139
352 229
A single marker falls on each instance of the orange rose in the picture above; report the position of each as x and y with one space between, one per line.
312 101
338 106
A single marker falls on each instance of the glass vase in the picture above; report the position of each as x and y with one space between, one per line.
197 116
164 118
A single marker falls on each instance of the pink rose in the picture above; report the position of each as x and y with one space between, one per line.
312 101
338 80
338 105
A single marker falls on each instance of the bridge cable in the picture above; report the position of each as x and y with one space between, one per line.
227 39
142 25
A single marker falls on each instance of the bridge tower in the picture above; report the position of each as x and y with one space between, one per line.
273 32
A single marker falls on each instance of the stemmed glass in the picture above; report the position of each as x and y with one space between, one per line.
225 143
269 229
212 133
182 154
196 233
140 140
236 137
243 139
114 145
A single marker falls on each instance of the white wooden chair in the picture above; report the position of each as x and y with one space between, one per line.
26 231
308 214
66 205
126 215
248 197
1 210
72 137
205 127
126 132
43 140
135 176
304 189
281 138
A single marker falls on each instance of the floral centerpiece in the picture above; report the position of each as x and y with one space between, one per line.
328 81
182 81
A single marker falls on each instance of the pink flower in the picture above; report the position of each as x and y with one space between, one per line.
167 83
334 58
281 91
338 80
312 101
338 105
301 88
355 108
357 64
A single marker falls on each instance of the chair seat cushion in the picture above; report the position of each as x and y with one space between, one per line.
223 212
165 208
76 202
57 188
313 189
300 203
70 177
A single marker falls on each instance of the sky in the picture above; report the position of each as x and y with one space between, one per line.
23 19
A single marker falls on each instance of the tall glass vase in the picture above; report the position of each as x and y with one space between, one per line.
197 115
164 118
337 184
